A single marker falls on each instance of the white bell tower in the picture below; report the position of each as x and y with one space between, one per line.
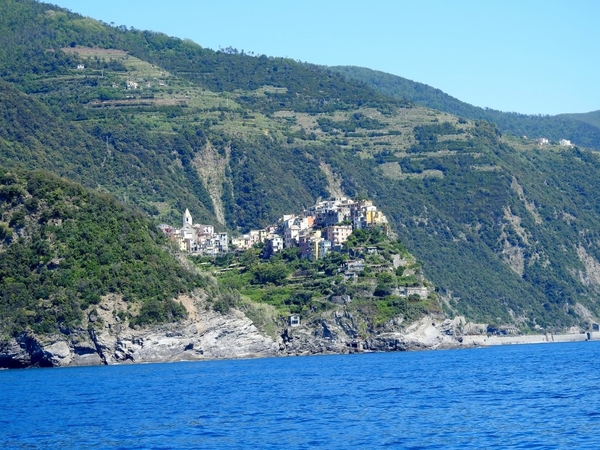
187 218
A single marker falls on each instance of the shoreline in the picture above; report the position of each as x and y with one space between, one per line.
548 338
213 336
468 342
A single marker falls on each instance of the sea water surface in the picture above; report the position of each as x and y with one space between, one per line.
521 396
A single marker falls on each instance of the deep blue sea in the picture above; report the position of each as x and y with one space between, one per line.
521 396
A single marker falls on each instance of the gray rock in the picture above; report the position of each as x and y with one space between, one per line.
14 355
58 353
211 335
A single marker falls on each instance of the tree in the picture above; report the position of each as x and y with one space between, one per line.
270 273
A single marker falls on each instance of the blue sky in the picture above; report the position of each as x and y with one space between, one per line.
527 56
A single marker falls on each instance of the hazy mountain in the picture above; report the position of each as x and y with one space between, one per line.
591 118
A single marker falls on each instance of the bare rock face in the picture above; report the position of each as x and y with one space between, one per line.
338 332
15 353
206 334
58 353
214 336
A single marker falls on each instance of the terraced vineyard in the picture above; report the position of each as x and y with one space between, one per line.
504 228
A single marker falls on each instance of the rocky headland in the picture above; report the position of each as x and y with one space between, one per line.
207 335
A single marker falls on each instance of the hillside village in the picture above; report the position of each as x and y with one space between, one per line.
318 230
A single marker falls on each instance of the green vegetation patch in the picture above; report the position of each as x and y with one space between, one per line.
291 284
64 247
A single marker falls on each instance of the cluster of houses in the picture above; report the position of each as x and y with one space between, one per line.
545 141
327 225
319 230
197 238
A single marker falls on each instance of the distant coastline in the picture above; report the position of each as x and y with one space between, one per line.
547 338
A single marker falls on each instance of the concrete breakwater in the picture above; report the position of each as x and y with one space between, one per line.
484 340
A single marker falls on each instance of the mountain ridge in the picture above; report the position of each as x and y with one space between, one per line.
582 129
504 226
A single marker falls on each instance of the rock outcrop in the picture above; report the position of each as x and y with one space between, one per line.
338 332
207 334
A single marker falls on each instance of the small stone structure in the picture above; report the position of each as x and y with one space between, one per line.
294 320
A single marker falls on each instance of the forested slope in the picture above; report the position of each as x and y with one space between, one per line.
63 247
504 229
581 129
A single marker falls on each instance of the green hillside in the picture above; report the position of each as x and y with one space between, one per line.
291 284
591 118
63 247
504 228
582 129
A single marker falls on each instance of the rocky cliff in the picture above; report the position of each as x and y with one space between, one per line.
206 334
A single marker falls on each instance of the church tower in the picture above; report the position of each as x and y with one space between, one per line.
187 218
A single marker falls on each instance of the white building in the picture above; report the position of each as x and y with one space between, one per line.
291 235
565 143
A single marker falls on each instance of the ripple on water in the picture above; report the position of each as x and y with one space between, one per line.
529 396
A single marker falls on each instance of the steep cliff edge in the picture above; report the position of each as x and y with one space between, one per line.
207 335
204 335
